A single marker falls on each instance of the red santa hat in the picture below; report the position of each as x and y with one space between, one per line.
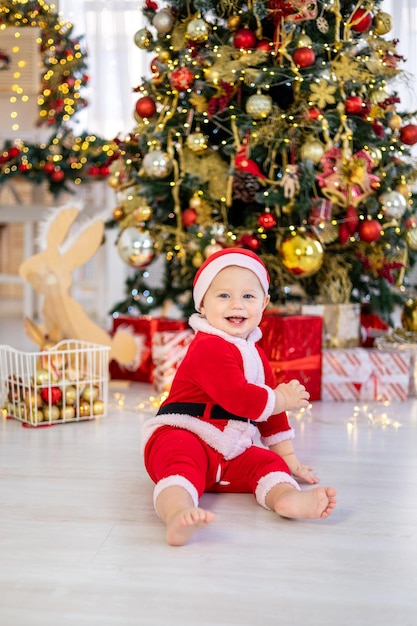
224 258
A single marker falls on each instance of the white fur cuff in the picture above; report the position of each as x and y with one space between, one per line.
269 481
175 481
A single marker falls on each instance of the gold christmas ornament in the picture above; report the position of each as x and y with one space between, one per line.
259 106
404 189
136 247
395 122
142 213
233 23
163 21
197 142
393 204
90 393
143 38
411 238
113 181
98 407
70 395
198 30
67 413
383 23
409 315
312 149
85 409
197 260
118 213
304 41
301 254
51 413
378 95
375 154
157 164
212 248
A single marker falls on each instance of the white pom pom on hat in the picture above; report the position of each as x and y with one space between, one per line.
225 258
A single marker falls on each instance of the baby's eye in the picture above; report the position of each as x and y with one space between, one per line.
248 295
223 295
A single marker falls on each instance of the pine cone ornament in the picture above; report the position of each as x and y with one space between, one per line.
245 187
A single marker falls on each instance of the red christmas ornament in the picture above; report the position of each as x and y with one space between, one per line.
344 233
249 241
182 78
304 57
23 167
58 175
352 220
49 167
370 230
361 20
51 395
408 134
267 221
353 105
244 39
145 107
313 113
189 217
13 152
265 44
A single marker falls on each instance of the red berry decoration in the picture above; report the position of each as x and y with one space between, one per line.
145 107
370 230
244 39
361 20
408 134
304 57
51 395
267 221
182 78
353 105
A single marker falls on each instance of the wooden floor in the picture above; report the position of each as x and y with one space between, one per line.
80 543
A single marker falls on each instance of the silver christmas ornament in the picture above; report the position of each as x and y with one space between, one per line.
136 247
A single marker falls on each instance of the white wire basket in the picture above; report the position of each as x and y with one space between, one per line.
68 383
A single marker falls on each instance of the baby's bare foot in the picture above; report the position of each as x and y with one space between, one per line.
182 525
314 503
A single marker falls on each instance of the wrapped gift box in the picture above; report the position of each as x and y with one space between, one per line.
168 350
143 329
341 323
364 374
293 345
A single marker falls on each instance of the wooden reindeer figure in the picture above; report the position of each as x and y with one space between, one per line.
50 274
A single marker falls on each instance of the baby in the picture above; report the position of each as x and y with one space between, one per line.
203 436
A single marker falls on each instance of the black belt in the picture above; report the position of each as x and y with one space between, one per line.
197 409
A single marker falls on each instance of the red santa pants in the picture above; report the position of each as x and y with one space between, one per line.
174 456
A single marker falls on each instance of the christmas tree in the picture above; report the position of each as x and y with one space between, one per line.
270 125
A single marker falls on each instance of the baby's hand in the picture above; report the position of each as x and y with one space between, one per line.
289 396
303 472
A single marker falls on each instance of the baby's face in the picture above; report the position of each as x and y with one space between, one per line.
235 301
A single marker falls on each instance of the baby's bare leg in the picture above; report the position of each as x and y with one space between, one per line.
176 509
288 501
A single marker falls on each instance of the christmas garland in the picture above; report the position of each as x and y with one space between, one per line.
63 157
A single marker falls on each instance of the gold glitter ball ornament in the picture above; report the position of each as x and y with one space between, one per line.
197 142
301 254
383 23
259 106
233 23
411 238
198 29
142 213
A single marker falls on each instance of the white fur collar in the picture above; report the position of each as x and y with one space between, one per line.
198 322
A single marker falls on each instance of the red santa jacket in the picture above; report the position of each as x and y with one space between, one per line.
232 373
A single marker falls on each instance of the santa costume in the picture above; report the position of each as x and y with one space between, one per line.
206 434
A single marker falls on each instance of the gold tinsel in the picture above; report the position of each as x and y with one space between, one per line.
210 167
336 286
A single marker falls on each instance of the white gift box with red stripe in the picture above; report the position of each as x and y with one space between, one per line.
168 350
365 374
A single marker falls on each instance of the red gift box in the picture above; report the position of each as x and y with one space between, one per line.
143 329
293 345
